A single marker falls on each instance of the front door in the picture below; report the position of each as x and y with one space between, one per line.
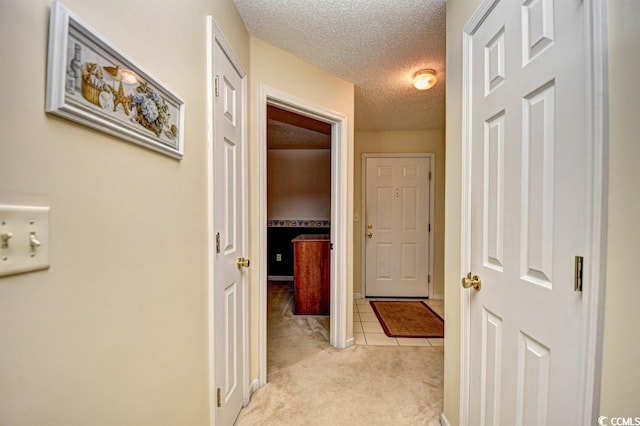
229 201
397 226
528 211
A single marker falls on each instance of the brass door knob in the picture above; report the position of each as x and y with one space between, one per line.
470 281
242 262
369 234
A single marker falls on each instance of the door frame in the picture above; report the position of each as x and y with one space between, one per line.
215 35
596 89
339 139
432 168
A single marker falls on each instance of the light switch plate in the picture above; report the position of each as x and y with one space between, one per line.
25 242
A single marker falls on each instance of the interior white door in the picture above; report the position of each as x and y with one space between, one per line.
528 207
229 201
397 227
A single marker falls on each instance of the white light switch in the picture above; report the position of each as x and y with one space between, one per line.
24 242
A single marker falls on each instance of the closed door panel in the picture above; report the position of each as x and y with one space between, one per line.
528 200
397 231
229 196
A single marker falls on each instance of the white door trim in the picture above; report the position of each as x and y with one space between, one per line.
215 34
597 138
432 167
338 304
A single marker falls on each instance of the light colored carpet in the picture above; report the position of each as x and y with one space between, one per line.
291 338
361 385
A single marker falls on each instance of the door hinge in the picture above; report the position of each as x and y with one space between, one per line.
577 285
219 398
429 227
218 243
429 175
428 278
217 80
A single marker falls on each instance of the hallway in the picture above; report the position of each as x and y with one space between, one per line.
311 383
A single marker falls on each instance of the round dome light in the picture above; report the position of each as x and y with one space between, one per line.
424 79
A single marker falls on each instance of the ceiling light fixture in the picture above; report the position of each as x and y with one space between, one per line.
424 79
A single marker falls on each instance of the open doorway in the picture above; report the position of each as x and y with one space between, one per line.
338 217
298 232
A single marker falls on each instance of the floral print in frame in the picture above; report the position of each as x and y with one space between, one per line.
90 82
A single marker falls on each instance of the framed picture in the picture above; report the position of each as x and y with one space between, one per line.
91 82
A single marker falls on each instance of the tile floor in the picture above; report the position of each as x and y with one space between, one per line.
367 329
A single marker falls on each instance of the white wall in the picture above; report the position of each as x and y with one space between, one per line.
116 331
299 185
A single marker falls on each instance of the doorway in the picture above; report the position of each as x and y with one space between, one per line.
298 185
338 236
298 215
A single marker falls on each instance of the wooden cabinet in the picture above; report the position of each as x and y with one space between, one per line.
311 274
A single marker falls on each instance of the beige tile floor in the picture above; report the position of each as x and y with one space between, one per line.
367 329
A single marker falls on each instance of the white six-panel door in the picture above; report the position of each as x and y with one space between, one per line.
229 195
528 207
397 217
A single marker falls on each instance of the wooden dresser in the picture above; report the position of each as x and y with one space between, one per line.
311 271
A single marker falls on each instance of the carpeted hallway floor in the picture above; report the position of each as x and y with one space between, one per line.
310 383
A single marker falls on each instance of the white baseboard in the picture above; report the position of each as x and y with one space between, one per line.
357 295
255 385
444 421
280 277
350 342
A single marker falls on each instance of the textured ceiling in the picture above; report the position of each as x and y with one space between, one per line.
287 136
287 130
376 44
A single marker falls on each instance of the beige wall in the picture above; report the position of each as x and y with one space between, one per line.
620 373
299 184
621 351
116 331
424 141
279 70
458 13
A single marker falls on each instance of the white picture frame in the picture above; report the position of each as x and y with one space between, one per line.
91 82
